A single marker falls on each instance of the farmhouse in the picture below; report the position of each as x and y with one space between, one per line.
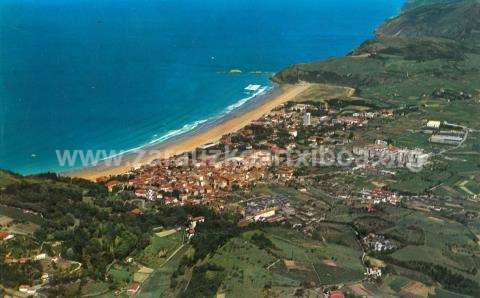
27 290
133 288
4 236
336 294
262 215
433 124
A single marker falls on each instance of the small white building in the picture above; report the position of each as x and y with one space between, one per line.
151 195
45 277
195 220
375 273
264 214
433 124
40 257
7 236
27 290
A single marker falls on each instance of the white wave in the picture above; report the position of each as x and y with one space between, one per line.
173 133
191 126
252 87
243 101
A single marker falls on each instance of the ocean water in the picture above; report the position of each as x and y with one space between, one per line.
119 74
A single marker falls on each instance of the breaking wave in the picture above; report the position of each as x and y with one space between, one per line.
194 125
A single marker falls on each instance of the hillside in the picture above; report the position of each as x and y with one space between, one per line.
431 45
369 229
7 178
456 20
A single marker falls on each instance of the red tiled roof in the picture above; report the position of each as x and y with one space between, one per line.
136 211
133 287
4 235
336 294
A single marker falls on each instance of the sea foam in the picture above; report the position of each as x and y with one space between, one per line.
191 126
194 125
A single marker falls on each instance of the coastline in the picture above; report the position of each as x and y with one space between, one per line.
189 142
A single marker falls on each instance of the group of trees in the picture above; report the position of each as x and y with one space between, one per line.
15 274
94 232
452 281
96 228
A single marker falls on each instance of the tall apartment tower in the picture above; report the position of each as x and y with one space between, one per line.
307 119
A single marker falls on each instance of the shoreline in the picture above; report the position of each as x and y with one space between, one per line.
190 142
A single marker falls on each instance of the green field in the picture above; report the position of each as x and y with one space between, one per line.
160 248
281 261
18 214
159 284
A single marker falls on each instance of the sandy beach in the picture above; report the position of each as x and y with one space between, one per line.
213 134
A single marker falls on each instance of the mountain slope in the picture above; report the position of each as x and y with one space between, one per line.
432 44
458 20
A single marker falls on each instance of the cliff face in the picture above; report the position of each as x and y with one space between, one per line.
426 30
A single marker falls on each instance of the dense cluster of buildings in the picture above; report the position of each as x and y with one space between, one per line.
391 156
264 209
199 179
378 243
195 183
378 195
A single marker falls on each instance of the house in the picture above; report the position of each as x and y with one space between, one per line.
141 193
433 124
133 288
262 215
336 294
190 233
195 220
372 272
112 184
136 212
350 121
6 236
290 146
285 172
129 260
151 195
300 107
45 277
55 259
387 113
293 132
199 219
40 257
27 290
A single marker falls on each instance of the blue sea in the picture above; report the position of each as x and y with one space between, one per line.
121 74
